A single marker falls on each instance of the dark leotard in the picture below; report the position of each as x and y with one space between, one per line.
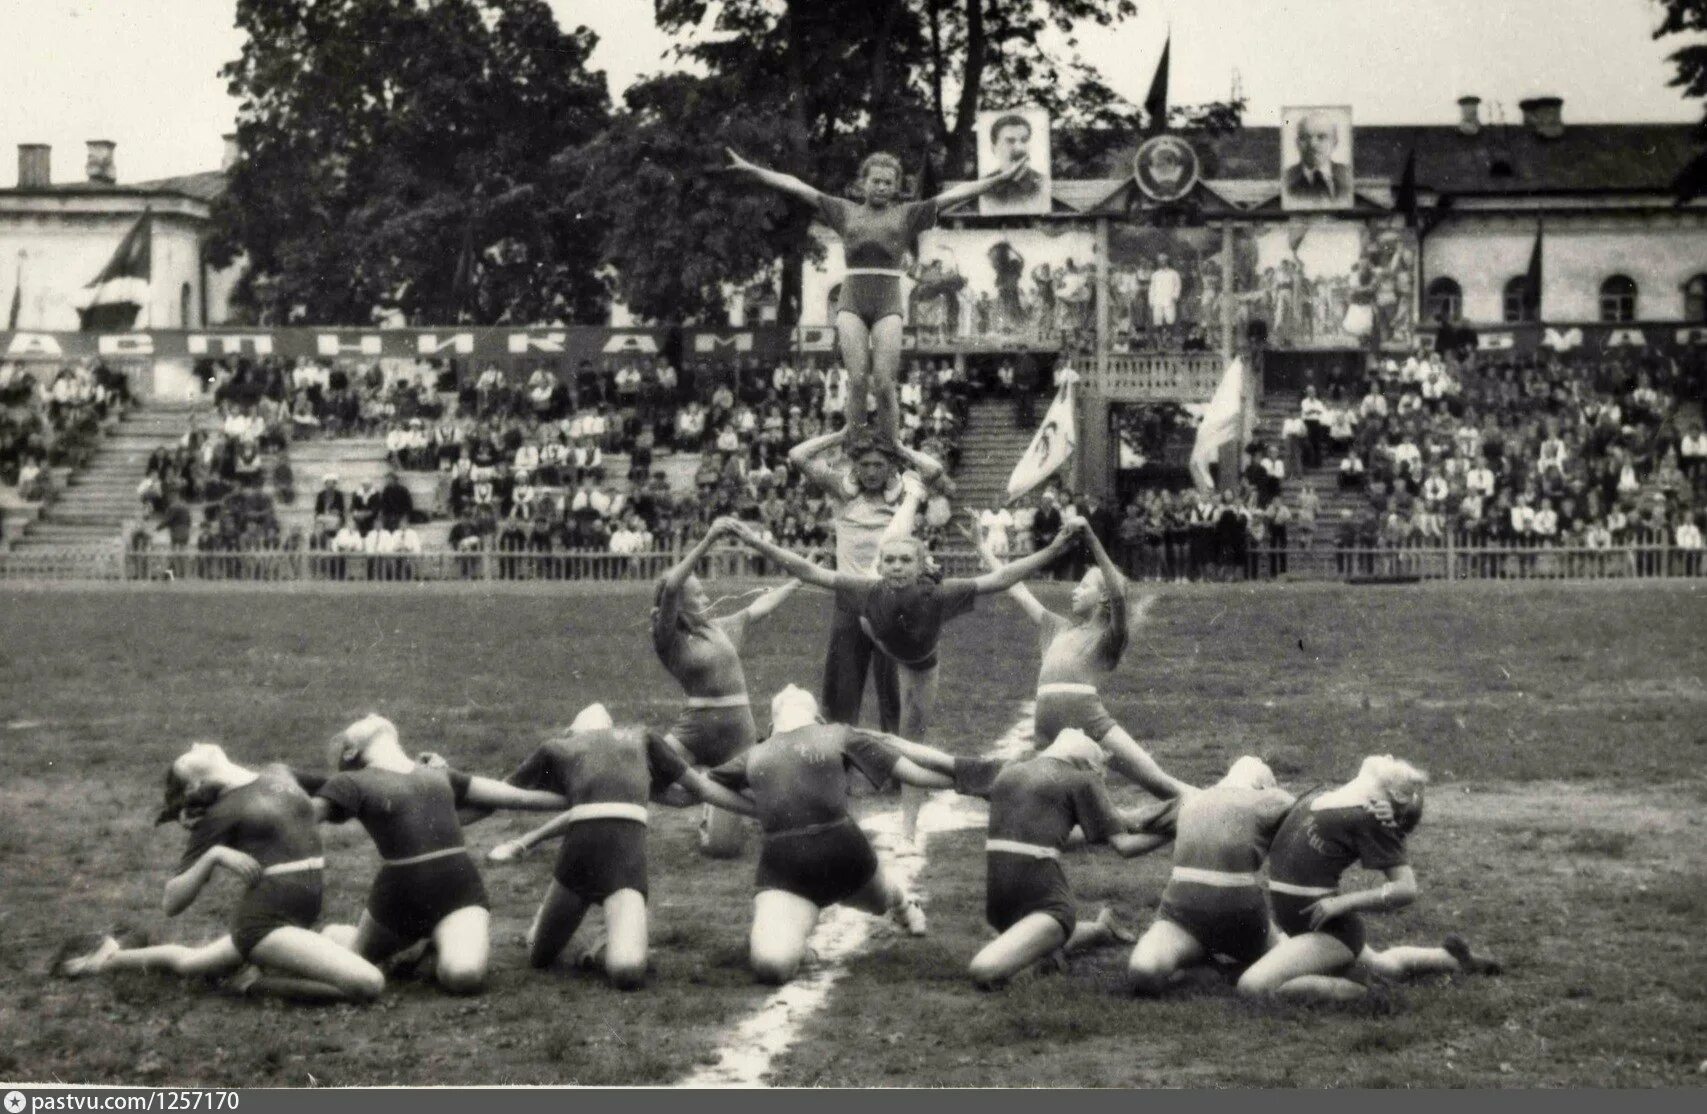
271 820
608 775
907 622
411 817
875 239
1034 804
1312 849
1220 837
798 779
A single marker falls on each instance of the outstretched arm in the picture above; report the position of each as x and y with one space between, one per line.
808 457
965 191
1008 575
704 789
1019 593
1399 891
1113 583
928 758
485 792
776 180
678 573
907 771
1130 845
796 565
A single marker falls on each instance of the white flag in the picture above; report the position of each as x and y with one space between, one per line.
1221 421
1054 442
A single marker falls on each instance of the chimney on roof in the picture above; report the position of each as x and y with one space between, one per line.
1545 116
34 163
232 153
1469 115
100 165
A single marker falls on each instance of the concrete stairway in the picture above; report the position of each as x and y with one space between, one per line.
990 446
1336 504
98 500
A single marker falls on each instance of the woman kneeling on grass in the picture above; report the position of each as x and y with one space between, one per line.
1035 804
607 774
260 826
703 654
1213 904
1323 835
814 855
1079 649
428 888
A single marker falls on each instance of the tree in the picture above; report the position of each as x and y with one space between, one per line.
1688 17
811 87
399 154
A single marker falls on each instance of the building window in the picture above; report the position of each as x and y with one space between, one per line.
184 321
1695 300
1618 299
1445 300
1521 307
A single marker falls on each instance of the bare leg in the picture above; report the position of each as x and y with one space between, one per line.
1035 936
918 697
885 377
625 951
463 941
301 964
1162 952
1125 755
881 897
1096 933
559 916
1304 967
854 339
204 960
782 923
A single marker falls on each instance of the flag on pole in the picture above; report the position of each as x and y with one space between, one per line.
1156 102
1222 422
119 295
1054 442
1405 197
17 298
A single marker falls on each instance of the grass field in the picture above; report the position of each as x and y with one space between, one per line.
1565 728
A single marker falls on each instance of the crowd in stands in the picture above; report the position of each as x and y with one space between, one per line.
1515 452
523 462
52 417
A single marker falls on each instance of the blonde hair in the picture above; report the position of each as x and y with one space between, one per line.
1076 747
347 747
1398 780
873 161
1250 772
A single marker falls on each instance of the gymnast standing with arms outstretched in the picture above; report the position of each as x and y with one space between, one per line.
878 232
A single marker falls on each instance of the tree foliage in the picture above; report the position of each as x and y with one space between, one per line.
811 87
1688 17
381 139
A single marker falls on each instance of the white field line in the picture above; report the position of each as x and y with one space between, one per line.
745 1056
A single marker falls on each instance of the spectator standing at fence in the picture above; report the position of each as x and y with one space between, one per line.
396 504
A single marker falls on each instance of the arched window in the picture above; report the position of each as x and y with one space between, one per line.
1445 300
1520 305
184 300
1618 299
1695 300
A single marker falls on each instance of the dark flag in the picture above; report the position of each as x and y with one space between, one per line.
462 279
17 301
1405 197
1156 104
116 296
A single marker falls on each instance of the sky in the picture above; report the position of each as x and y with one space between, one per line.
144 73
